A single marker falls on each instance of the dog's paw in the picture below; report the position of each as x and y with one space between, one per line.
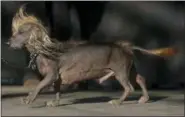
115 103
25 100
52 103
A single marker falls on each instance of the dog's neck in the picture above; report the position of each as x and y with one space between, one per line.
32 62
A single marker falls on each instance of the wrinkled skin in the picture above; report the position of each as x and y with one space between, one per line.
90 61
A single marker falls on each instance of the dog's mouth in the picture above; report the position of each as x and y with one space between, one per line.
14 46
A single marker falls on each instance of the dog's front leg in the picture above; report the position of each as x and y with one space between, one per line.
48 80
55 102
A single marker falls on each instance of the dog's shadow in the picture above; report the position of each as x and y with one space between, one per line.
103 99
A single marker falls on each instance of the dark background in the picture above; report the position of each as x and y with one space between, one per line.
147 24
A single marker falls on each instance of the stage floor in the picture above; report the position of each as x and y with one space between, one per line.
94 103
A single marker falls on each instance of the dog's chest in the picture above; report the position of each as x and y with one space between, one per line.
43 65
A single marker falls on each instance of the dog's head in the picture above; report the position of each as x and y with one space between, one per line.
26 30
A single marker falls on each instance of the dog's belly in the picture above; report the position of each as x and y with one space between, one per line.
70 77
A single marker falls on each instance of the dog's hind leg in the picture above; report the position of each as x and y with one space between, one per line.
122 77
141 81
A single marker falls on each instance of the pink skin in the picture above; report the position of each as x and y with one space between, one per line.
142 83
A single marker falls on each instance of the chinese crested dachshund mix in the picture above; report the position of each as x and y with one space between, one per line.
74 61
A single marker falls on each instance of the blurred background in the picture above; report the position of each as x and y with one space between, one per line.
150 25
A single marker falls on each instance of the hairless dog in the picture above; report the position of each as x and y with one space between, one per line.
68 66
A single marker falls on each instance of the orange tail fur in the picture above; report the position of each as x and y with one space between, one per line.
165 52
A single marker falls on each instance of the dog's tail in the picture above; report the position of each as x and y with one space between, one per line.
162 52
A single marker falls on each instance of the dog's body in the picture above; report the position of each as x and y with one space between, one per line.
76 63
98 59
85 62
